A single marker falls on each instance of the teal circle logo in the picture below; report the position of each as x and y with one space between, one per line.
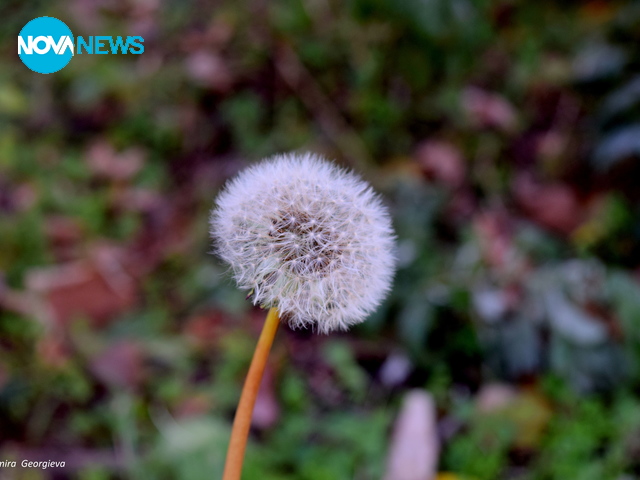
45 44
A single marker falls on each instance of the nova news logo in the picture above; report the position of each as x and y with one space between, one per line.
46 45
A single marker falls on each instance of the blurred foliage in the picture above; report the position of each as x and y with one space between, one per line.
504 135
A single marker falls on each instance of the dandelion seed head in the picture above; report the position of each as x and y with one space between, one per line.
308 238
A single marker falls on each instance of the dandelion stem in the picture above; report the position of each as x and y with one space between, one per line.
242 421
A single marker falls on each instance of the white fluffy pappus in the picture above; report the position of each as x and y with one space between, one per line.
306 237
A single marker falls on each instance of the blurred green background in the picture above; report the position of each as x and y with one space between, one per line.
503 134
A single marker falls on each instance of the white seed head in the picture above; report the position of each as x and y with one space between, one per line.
308 238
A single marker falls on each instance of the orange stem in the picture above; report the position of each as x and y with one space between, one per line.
242 421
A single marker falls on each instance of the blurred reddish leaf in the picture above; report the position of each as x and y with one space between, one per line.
143 18
98 287
494 231
105 162
120 365
24 196
87 14
137 200
209 70
217 35
193 406
61 229
551 146
64 234
27 304
486 109
442 162
167 229
53 351
205 329
553 205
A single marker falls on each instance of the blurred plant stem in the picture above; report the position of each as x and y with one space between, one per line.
242 421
